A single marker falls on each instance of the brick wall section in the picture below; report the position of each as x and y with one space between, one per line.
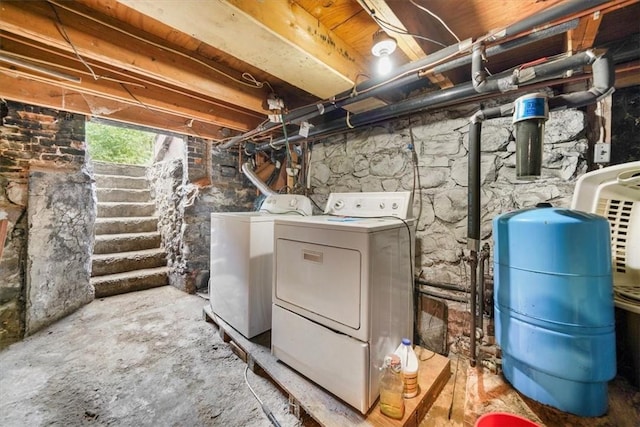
197 159
36 136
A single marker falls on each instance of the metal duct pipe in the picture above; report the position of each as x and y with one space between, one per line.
408 72
261 185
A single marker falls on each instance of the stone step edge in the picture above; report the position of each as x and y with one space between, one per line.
119 176
120 219
129 275
128 254
125 203
125 236
131 190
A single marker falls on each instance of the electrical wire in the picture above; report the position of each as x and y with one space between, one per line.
288 147
436 17
65 36
246 76
264 407
394 29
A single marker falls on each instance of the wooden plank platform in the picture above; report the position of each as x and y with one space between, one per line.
319 404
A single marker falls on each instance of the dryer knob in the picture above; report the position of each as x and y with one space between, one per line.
293 202
394 206
338 205
382 205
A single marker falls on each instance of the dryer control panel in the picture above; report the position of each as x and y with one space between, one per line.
370 205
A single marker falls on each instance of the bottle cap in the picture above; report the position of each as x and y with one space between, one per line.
394 363
406 341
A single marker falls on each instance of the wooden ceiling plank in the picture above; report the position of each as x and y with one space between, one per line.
51 96
35 20
307 54
406 43
583 36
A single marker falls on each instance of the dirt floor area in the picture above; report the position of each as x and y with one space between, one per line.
140 359
149 358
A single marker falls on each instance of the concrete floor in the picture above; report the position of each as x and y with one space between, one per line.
140 359
149 358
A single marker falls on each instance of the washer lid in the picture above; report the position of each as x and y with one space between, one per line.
244 216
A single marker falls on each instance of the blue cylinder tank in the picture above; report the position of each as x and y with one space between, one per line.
554 311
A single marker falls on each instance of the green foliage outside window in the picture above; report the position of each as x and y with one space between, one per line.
118 144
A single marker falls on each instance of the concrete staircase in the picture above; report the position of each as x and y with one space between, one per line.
127 255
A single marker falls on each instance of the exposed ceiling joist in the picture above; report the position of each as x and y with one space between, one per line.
41 93
154 58
282 38
585 34
37 21
141 93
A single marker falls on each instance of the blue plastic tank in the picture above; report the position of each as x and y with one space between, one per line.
554 311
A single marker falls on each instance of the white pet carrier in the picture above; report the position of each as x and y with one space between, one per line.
614 193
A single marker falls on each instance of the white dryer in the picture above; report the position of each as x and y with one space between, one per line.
342 291
242 262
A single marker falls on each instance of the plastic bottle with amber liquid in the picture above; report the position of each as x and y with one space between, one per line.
391 388
410 364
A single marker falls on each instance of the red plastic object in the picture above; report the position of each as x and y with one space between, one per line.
503 419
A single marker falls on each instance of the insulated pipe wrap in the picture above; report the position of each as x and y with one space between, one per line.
603 85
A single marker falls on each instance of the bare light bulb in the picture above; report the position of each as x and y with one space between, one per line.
384 65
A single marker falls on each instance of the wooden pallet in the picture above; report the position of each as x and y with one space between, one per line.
305 397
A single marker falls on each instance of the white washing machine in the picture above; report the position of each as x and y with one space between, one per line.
343 291
242 262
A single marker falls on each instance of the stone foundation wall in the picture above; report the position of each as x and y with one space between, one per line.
185 198
427 154
48 197
61 217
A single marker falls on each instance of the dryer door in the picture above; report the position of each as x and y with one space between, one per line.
319 279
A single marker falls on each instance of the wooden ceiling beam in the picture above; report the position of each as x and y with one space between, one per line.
406 43
36 20
280 38
583 36
20 89
130 92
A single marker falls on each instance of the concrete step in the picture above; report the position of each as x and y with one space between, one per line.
119 210
114 243
138 280
117 181
135 224
103 264
123 195
119 169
